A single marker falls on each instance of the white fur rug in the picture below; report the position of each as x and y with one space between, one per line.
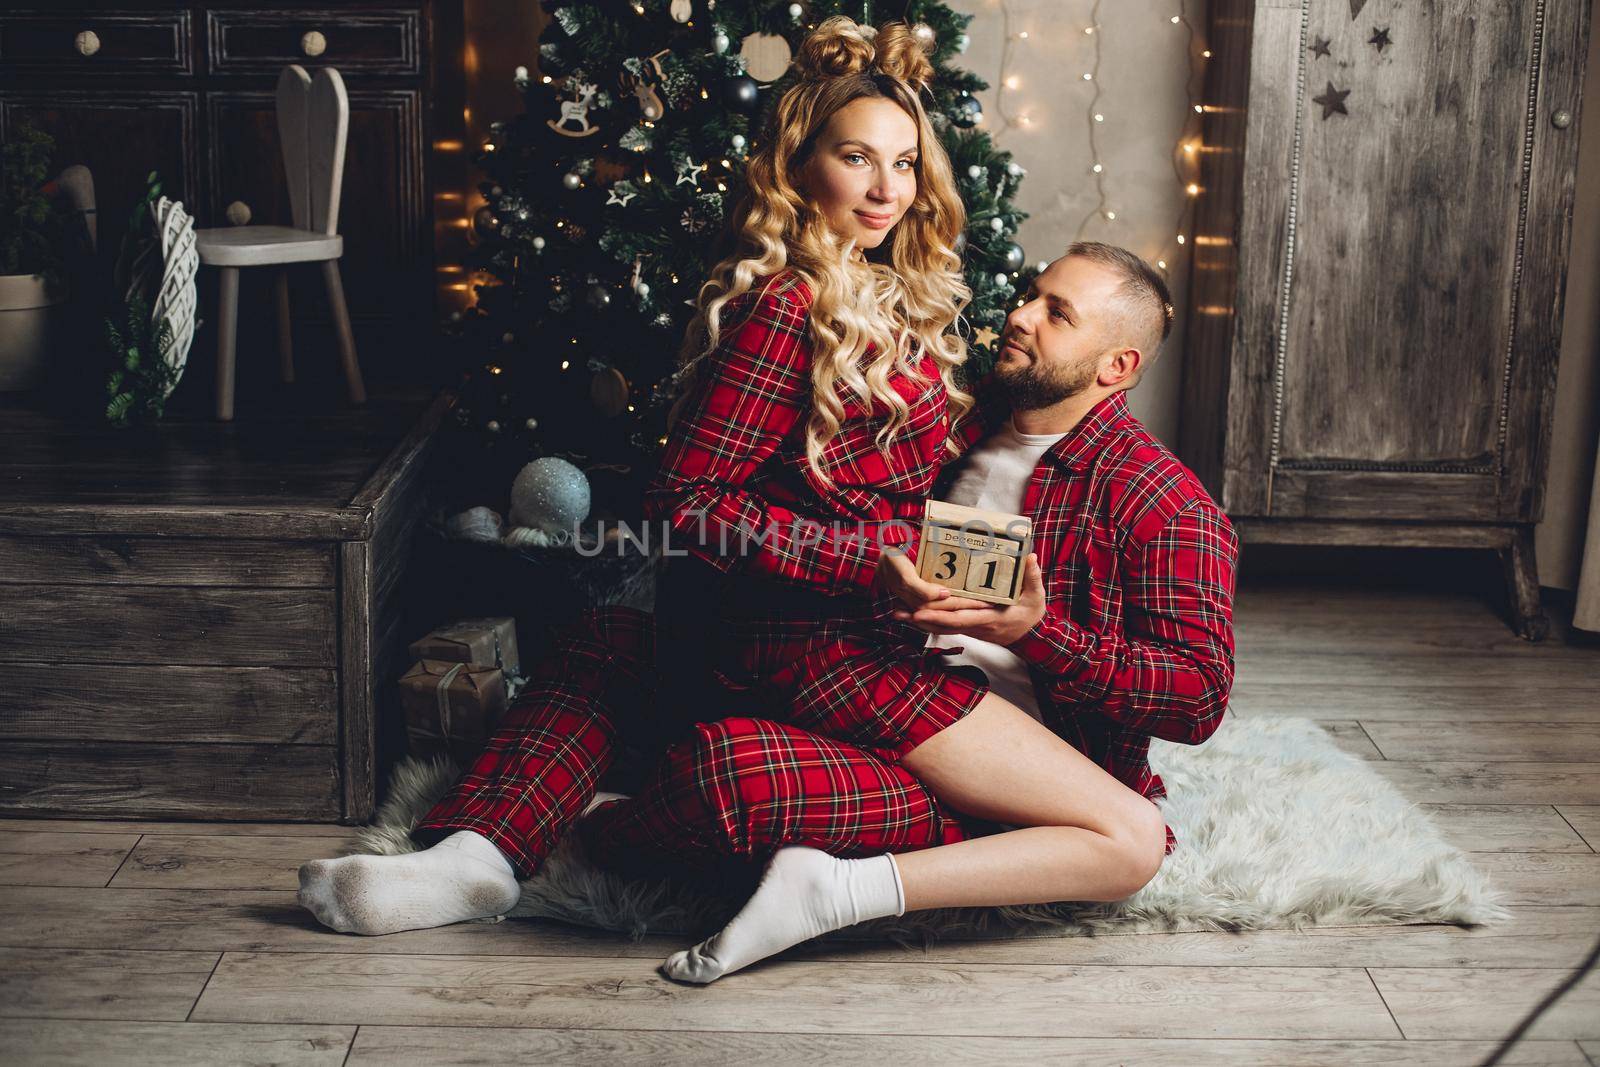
1276 827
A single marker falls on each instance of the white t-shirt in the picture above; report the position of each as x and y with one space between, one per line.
994 476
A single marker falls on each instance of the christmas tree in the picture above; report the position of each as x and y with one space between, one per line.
604 200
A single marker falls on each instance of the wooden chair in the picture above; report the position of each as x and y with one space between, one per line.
313 119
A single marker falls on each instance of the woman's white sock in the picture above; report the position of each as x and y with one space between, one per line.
465 876
804 893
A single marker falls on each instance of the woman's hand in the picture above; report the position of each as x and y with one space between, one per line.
986 622
898 576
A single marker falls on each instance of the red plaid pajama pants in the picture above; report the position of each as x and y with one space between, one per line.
737 786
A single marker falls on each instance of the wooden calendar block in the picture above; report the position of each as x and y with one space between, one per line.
975 552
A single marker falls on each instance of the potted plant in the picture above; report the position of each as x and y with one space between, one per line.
31 281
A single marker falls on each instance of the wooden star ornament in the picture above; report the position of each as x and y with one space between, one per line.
1332 101
986 337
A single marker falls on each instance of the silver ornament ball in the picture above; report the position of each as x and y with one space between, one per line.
571 180
550 495
538 244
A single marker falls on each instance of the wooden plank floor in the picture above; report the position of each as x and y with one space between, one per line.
168 943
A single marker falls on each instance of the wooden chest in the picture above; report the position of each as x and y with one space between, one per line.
194 620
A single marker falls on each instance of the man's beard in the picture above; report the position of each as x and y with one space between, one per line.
1033 385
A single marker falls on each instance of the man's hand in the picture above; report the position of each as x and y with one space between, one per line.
1000 625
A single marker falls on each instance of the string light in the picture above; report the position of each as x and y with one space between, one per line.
1184 151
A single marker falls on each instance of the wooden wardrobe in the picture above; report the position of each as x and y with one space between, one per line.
1379 260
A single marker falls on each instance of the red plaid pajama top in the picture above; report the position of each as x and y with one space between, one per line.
783 563
1137 637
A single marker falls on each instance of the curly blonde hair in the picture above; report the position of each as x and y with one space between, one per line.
902 307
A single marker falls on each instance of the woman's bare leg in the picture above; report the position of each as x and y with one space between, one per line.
1087 836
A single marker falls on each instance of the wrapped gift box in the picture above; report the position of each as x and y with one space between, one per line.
490 642
451 707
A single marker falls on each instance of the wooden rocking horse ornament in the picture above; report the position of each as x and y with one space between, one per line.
313 121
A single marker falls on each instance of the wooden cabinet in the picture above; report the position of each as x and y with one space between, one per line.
1379 258
206 621
186 89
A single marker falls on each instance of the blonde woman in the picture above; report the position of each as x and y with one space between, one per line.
820 404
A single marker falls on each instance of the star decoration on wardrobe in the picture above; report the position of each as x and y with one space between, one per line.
1355 8
690 171
1332 101
1380 39
1320 48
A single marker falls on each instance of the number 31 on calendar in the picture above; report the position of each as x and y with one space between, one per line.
974 552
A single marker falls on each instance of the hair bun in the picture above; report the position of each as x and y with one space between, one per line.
838 47
902 56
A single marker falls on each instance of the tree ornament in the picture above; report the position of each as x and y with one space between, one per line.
599 297
997 224
572 179
1014 169
576 110
485 223
741 93
493 426
720 43
738 142
795 11
550 495
608 390
924 36
520 76
532 424
968 112
974 172
962 41
621 193
538 244
640 77
682 11
1015 257
1001 279
690 171
766 56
